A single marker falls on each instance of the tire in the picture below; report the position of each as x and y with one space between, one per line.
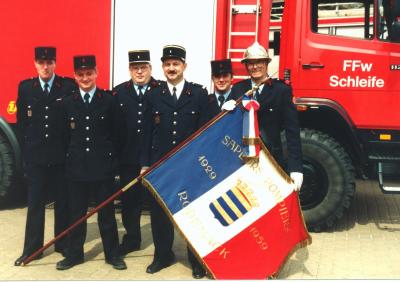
329 180
7 169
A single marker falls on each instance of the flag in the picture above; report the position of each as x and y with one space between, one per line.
241 219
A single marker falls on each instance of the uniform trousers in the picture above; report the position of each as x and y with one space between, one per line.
132 202
45 182
163 235
80 193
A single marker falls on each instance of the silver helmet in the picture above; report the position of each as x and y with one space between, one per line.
254 52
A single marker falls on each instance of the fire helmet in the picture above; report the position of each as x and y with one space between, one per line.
255 52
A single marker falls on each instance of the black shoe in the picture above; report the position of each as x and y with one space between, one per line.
124 249
159 264
22 258
198 272
117 263
67 263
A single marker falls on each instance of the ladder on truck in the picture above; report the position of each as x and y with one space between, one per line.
243 30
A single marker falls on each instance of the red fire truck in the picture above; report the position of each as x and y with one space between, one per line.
341 58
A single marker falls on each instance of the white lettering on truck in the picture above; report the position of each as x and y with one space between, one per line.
356 81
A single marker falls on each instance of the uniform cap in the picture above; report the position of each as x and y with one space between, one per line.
139 56
254 52
45 53
174 52
84 62
221 67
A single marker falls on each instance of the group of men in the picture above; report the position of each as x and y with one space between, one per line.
76 138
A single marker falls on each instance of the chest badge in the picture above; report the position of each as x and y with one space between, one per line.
157 119
29 111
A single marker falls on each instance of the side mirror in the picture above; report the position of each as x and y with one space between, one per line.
395 36
395 8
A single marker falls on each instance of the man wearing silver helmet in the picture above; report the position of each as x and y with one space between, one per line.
276 113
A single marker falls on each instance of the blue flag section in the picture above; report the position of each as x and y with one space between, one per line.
201 164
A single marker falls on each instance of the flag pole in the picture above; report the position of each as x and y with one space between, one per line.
82 219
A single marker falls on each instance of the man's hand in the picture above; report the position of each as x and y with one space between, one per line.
228 105
297 178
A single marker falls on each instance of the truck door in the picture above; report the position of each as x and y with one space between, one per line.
346 55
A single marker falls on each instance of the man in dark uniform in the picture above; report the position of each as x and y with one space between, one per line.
176 109
130 97
277 111
221 75
89 166
43 142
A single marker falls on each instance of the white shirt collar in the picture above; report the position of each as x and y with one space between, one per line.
179 88
136 86
50 82
259 88
91 93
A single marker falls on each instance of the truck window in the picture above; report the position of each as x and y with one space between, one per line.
350 19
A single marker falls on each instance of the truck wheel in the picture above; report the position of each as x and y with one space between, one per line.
7 168
329 180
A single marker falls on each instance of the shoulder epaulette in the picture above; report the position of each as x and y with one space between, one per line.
25 81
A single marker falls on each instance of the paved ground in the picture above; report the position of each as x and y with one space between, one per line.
365 244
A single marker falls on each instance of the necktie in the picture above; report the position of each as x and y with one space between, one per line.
140 90
256 95
86 97
174 95
46 89
221 100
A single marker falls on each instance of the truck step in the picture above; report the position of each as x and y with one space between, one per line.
389 177
384 158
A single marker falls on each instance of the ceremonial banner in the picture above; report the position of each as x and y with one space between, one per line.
241 219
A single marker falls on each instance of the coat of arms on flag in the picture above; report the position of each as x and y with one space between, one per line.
240 215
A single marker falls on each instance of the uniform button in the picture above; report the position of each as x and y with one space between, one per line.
138 130
87 127
46 135
139 121
87 117
140 104
46 108
174 122
46 117
87 138
174 132
139 113
46 125
173 142
175 113
87 149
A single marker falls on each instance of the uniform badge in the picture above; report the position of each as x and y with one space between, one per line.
72 123
157 119
29 112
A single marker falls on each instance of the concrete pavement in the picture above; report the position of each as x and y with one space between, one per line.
364 244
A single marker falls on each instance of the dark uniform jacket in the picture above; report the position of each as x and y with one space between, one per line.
277 112
40 119
169 124
213 104
130 119
91 151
